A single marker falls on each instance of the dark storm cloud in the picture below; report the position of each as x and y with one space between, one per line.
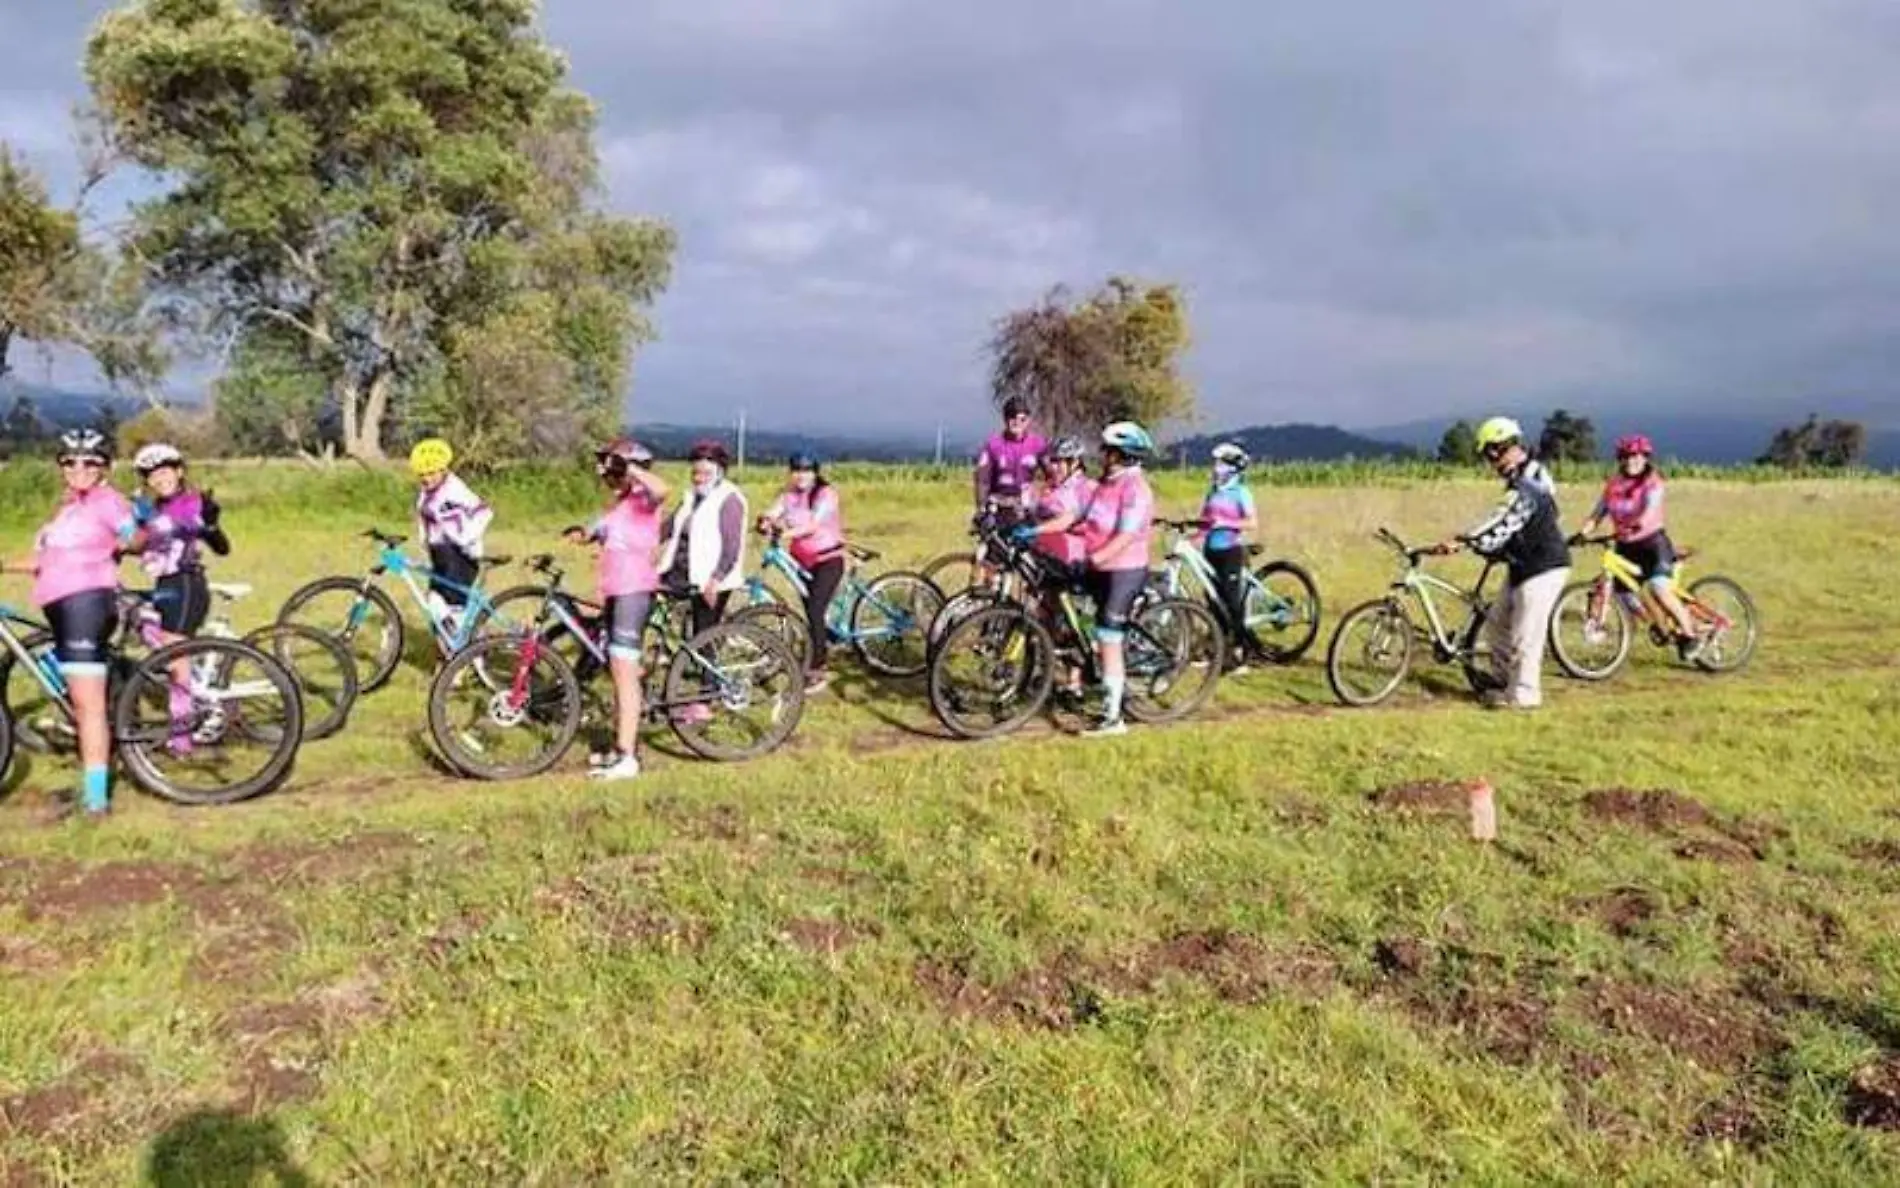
1379 211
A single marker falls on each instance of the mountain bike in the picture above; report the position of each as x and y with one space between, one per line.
882 619
364 617
1373 646
230 733
734 691
1282 602
995 668
1595 620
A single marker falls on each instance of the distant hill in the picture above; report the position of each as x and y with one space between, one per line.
1293 443
63 407
774 445
1708 439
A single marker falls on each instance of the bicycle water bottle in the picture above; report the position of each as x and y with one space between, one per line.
49 670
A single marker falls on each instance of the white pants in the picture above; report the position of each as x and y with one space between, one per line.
1518 629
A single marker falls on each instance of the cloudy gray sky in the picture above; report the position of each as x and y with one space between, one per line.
1380 211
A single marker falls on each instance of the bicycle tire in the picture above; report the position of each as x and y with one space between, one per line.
1573 664
940 570
30 699
6 744
1396 621
373 669
788 625
1722 662
686 675
1031 688
138 757
955 609
1139 705
342 702
916 623
1474 654
547 662
1293 647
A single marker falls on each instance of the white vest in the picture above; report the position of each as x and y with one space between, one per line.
702 555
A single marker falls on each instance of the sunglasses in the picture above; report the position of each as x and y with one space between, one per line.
87 463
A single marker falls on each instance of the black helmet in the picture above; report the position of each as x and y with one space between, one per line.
85 443
802 460
613 458
1015 406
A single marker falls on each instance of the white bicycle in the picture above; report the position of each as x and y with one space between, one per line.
1282 605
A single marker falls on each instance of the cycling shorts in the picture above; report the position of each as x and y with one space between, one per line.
626 618
183 601
1115 591
1654 555
83 625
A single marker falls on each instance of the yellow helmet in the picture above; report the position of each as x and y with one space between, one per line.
432 455
1499 431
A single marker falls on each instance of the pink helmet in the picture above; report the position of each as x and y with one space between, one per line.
1635 443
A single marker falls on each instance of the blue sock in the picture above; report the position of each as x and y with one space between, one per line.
92 789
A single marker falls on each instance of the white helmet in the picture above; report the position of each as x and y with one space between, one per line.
1232 455
155 455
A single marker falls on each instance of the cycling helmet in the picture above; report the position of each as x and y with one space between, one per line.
1232 455
1015 406
712 451
432 455
1130 438
1499 432
802 460
1632 445
620 453
1067 449
85 443
157 454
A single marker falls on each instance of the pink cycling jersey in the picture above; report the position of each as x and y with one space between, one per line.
815 510
1634 505
1068 498
78 549
173 527
629 535
1006 465
1121 504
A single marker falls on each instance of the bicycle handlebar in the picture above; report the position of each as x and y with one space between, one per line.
384 538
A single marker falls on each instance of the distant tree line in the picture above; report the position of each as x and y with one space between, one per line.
1566 437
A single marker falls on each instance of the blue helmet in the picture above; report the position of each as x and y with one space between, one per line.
1129 438
802 460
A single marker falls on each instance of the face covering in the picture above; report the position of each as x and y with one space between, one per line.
1635 465
804 481
1223 472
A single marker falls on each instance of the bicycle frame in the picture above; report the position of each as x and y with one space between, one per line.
51 681
1620 575
1417 585
838 614
416 578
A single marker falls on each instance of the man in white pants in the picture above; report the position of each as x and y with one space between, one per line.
1527 535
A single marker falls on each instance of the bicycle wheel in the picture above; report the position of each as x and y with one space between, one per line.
511 733
513 609
993 672
782 621
1173 655
951 571
1474 653
1725 613
889 622
39 723
1590 642
323 668
230 735
955 609
6 745
1370 653
360 615
1282 611
748 687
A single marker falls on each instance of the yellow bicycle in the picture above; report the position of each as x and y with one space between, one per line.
1595 621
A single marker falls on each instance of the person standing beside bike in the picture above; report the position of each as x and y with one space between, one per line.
1227 518
628 534
1006 465
452 521
1118 528
75 572
174 520
807 517
705 551
1527 535
1633 502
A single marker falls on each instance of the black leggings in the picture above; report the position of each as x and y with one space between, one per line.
183 601
825 577
452 564
706 615
1230 580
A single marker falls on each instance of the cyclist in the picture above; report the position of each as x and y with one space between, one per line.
1633 502
1007 463
1526 534
174 521
1056 507
75 571
807 516
1118 526
452 521
628 533
705 551
1227 517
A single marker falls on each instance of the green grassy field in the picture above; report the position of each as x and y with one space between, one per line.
1254 947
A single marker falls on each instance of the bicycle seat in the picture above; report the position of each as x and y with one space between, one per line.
1686 554
495 562
1254 550
230 591
860 553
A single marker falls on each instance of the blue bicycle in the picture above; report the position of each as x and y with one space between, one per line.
364 617
883 619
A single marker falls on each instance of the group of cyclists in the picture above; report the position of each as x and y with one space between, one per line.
1097 529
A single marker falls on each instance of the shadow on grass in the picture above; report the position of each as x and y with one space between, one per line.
861 690
219 1148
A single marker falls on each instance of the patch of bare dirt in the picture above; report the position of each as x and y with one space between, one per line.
68 1105
1719 1035
590 898
244 953
1054 997
715 822
444 941
1881 852
826 937
1236 967
1625 910
1401 956
21 955
1739 1118
331 862
281 1046
1713 849
1429 796
1509 1025
1873 1095
1657 809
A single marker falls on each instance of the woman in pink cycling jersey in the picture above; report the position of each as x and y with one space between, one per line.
76 584
808 518
1633 502
628 535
